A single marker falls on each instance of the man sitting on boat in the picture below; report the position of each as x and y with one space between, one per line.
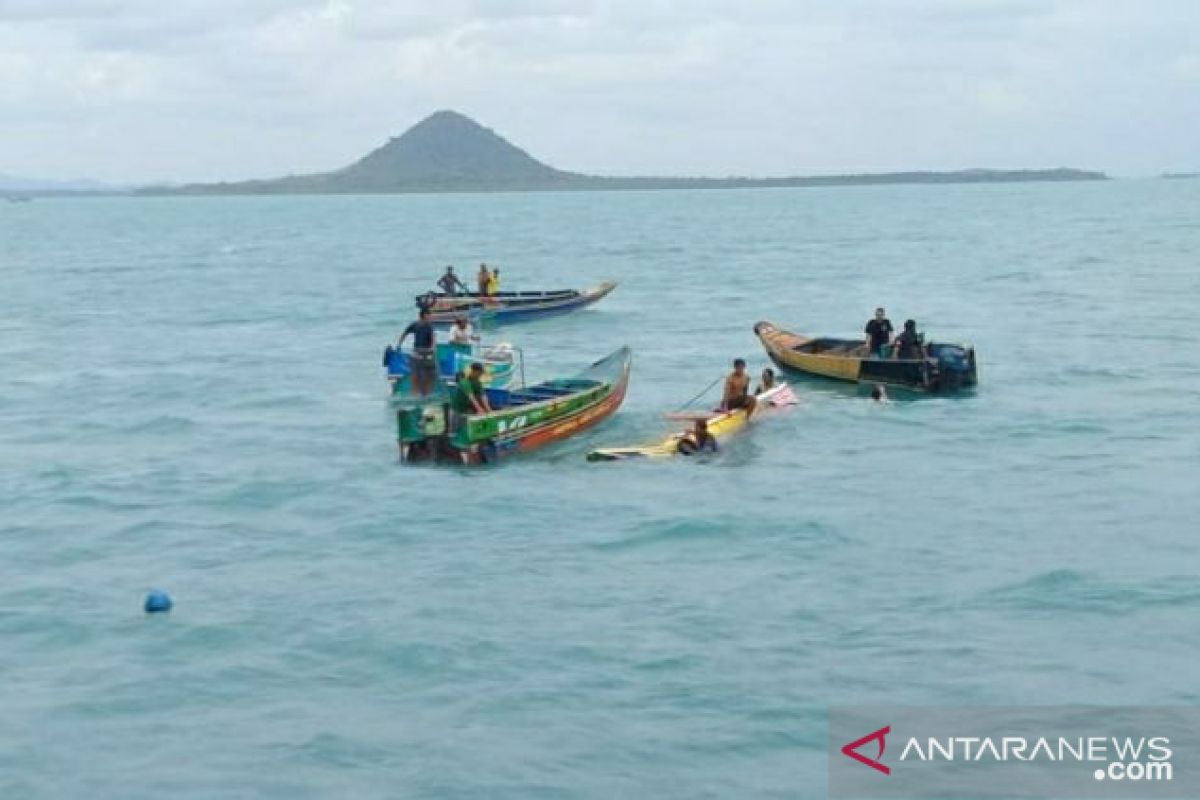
450 284
908 344
879 334
766 382
424 358
737 390
469 397
698 440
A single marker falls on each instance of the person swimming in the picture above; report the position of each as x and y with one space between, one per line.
766 382
879 393
697 440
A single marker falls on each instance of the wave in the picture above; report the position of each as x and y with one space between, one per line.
1076 591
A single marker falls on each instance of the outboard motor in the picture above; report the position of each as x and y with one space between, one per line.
953 365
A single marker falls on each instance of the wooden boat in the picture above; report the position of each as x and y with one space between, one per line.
501 363
510 306
721 425
950 367
522 420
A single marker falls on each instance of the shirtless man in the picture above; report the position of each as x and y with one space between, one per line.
737 390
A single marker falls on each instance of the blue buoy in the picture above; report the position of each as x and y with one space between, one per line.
158 602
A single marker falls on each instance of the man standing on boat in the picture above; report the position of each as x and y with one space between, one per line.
483 278
879 334
737 390
424 358
450 284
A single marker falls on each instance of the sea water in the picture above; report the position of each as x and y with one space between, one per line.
191 399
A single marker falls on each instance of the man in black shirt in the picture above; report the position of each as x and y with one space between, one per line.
908 343
424 362
879 334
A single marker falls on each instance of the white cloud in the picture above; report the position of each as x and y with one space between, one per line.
233 88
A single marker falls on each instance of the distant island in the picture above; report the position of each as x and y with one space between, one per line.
449 152
19 188
1180 175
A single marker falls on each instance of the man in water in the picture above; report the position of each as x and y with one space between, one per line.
879 393
470 398
450 284
908 344
737 390
483 277
766 382
424 361
879 334
699 440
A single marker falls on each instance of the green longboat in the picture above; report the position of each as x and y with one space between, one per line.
522 419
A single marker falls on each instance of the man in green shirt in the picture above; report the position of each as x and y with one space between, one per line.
470 398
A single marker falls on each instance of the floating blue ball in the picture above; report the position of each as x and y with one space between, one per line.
158 602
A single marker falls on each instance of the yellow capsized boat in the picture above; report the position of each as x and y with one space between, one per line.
721 425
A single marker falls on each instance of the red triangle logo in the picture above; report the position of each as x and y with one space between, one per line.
874 763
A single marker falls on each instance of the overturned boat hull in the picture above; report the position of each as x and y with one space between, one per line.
722 425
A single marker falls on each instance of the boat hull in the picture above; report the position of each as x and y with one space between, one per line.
950 368
512 306
721 425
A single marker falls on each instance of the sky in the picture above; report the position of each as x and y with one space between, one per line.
133 91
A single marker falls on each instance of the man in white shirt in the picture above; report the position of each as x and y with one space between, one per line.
461 333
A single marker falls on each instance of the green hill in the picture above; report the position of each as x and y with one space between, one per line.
449 152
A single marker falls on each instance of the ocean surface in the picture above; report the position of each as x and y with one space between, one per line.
191 399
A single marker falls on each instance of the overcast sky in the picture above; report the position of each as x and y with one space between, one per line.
141 90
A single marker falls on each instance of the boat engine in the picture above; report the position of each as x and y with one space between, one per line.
953 365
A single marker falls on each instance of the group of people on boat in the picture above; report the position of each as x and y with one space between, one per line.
487 282
881 344
736 394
